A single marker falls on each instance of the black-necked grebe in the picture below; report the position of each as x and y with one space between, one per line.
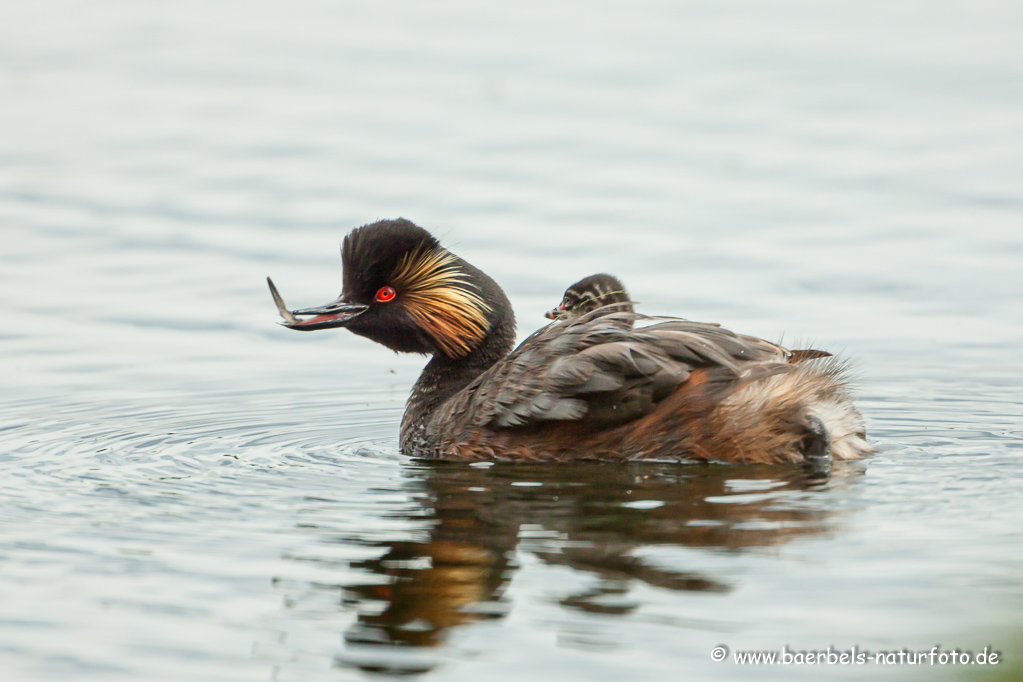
607 292
605 385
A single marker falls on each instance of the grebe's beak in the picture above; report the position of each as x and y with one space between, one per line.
335 314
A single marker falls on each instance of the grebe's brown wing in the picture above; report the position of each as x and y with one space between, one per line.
599 368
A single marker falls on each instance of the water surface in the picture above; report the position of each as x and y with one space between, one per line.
188 491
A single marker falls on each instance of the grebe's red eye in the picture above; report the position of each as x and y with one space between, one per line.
385 294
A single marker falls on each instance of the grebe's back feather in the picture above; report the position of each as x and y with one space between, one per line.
604 372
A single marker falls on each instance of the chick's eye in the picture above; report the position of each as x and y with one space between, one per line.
385 294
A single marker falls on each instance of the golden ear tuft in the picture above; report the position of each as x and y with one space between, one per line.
441 300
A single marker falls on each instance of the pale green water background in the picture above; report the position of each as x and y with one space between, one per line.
189 492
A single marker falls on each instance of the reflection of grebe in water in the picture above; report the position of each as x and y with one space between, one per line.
589 517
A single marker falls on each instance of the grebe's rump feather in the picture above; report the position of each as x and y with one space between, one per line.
819 387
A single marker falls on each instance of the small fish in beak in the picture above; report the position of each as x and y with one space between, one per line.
335 314
285 313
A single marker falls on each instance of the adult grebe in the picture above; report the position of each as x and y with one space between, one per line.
605 385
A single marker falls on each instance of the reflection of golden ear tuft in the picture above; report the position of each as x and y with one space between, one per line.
441 300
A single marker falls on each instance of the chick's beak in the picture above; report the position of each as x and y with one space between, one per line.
555 313
335 314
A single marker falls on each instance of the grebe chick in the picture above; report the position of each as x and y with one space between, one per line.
613 385
603 290
590 293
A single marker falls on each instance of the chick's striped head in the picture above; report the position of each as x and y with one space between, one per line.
589 294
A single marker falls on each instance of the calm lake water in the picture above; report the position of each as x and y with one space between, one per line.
190 492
